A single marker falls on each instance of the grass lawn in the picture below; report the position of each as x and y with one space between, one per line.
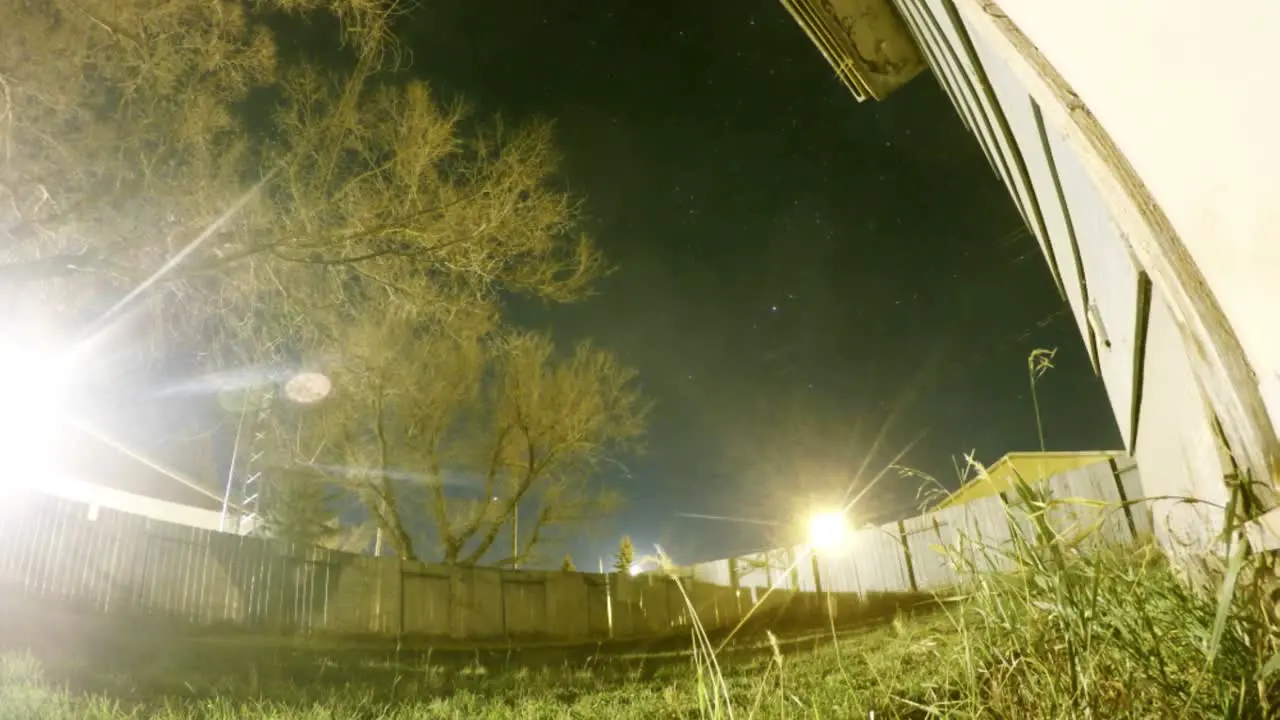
883 670
1106 637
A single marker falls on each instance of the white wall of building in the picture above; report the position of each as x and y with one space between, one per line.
1185 89
1060 96
96 496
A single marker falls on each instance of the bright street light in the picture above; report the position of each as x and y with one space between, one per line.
829 531
34 383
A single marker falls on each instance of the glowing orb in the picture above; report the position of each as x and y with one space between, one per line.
308 387
829 531
34 385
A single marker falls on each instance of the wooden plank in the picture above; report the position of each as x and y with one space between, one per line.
1056 233
938 16
1176 448
920 17
1009 106
863 40
1112 277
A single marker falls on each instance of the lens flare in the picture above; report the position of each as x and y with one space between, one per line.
829 531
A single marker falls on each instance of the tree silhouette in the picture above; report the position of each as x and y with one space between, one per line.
530 426
261 212
298 509
626 555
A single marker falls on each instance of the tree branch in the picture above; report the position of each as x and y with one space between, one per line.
526 551
395 525
491 476
440 511
52 267
532 472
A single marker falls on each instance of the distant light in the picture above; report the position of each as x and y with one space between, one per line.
829 531
308 387
635 569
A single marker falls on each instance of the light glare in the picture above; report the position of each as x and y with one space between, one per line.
33 393
829 531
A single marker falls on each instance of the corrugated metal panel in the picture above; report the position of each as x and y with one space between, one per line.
880 560
936 551
838 572
987 534
756 570
716 572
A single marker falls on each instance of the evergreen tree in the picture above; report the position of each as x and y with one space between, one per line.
297 509
567 565
626 555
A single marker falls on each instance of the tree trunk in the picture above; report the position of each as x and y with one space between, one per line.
393 526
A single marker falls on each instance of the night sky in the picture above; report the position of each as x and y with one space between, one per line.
799 274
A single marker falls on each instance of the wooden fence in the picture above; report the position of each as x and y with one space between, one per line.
935 550
110 563
60 553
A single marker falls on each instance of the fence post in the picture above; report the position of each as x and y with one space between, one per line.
388 599
1124 498
608 597
735 582
399 602
906 553
139 597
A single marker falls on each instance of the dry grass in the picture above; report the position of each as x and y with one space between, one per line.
1110 635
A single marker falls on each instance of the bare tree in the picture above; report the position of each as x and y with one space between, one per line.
260 210
465 432
128 128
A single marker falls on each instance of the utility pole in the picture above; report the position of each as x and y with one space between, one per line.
242 480
231 469
515 536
